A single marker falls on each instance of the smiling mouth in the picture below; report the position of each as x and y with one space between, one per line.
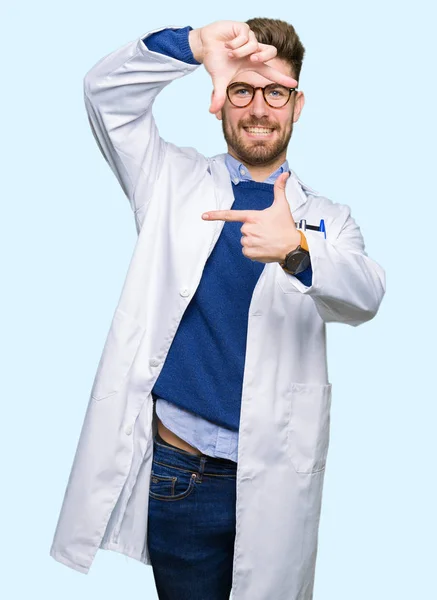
259 131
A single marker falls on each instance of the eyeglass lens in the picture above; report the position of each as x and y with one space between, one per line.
241 94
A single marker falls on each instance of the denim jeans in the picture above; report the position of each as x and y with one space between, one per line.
191 524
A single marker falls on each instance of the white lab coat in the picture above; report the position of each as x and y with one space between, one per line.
286 396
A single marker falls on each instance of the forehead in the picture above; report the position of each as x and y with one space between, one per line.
252 76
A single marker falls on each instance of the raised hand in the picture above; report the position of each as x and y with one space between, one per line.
225 47
269 234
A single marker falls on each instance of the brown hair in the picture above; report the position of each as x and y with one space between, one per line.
283 36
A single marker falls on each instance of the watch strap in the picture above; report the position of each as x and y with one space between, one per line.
303 241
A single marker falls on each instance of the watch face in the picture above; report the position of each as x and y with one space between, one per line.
298 261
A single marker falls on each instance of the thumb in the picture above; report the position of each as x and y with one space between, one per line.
279 187
218 97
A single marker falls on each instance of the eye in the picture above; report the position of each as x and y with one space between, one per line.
277 92
241 91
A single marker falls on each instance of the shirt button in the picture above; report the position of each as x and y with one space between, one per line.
154 362
128 430
243 172
185 292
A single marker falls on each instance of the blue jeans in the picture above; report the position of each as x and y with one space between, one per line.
191 524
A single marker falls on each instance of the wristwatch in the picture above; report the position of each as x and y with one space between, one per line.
298 259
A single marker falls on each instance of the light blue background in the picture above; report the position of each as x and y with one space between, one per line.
366 138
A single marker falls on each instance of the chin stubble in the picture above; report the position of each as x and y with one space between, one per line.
256 152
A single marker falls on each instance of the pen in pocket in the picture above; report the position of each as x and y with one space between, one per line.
304 226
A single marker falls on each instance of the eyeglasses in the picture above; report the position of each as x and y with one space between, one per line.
241 94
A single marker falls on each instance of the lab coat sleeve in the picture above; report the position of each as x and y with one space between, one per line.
119 92
347 285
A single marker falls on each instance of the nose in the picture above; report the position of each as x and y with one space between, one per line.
258 106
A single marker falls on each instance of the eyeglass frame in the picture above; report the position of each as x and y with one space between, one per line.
291 90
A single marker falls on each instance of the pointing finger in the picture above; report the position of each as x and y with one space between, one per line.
227 215
277 76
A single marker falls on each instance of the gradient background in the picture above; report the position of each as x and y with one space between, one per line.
366 138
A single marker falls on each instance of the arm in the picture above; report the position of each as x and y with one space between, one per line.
175 43
347 286
119 92
120 89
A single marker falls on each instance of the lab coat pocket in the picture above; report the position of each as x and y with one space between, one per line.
285 281
118 354
308 426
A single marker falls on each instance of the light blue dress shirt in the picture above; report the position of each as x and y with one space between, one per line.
239 172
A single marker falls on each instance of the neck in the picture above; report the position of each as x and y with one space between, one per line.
260 173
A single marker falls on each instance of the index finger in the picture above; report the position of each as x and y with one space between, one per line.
227 215
275 75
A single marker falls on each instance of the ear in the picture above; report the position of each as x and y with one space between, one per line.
298 106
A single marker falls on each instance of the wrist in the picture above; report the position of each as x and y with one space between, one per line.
196 45
292 245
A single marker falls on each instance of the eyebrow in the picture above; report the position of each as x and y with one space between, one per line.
253 85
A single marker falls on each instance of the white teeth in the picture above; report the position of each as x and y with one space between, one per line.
260 130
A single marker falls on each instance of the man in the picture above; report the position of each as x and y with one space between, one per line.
221 322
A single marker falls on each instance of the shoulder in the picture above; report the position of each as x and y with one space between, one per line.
184 154
184 162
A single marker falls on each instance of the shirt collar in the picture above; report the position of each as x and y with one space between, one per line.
238 172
